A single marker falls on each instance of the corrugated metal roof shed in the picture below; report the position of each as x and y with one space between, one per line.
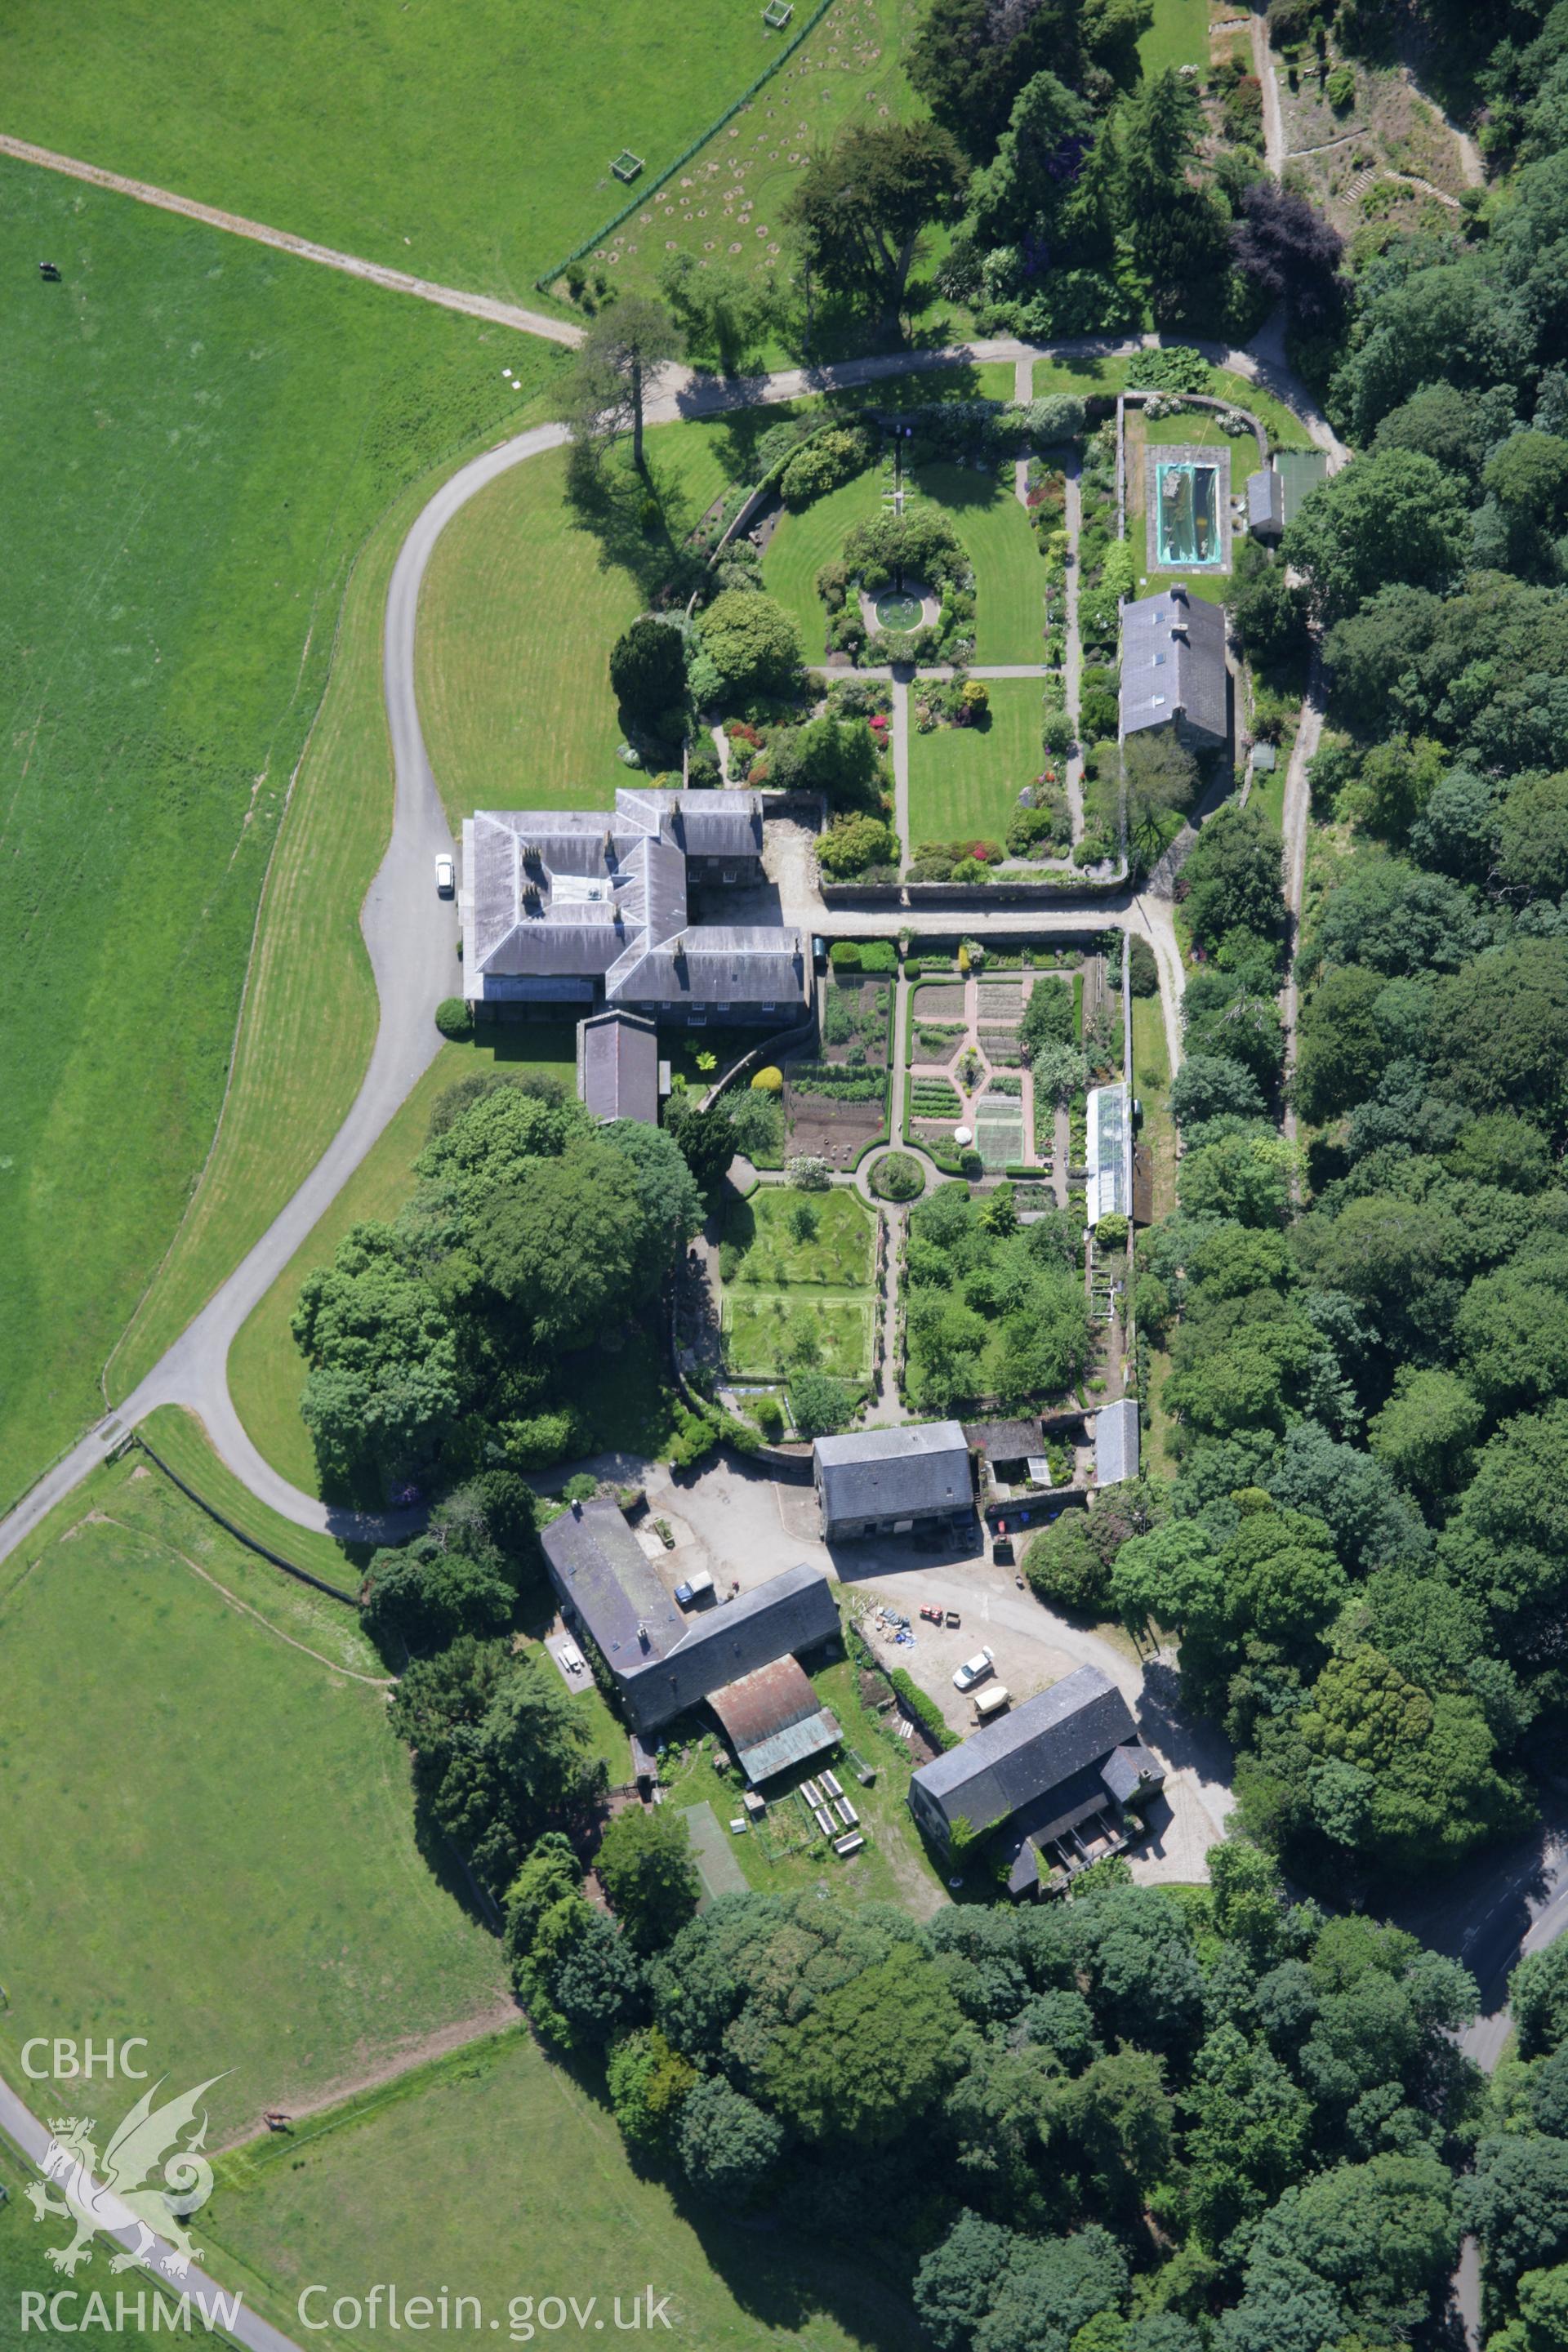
772 1718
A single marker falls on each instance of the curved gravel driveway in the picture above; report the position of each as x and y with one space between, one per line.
412 935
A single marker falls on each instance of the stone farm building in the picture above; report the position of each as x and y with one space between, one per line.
1172 669
740 1656
891 1481
564 908
1054 1779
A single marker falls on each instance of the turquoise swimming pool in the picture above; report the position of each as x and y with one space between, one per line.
1186 510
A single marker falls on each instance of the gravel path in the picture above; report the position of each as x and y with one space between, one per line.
412 935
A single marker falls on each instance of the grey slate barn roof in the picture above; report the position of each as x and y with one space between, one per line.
894 1474
1173 664
563 896
1116 1442
1024 1758
1003 1441
599 1566
1265 503
617 1067
663 1662
792 1611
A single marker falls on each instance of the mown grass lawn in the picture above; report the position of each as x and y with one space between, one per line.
803 542
207 1833
1178 37
787 1857
199 435
964 782
498 2175
1009 577
1151 1085
530 585
471 147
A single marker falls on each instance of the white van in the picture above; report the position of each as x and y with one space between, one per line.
993 1703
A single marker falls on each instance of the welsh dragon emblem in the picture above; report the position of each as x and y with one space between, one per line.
126 2188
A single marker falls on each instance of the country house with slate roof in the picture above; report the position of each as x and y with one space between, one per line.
561 907
1055 1775
1172 669
893 1481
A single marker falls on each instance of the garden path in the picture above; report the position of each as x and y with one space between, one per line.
1072 673
406 945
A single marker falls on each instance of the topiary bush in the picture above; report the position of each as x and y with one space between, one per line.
844 955
898 1177
454 1019
768 1081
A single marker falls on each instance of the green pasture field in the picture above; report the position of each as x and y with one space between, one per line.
761 1329
266 1370
1009 576
200 433
179 1443
472 148
208 1836
964 782
307 1025
25 2271
497 2174
1178 37
803 542
838 1256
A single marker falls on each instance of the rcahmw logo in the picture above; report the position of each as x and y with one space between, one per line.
93 2196
69 2312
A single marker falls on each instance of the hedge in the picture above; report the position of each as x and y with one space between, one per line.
926 1712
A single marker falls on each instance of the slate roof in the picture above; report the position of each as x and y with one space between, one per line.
1025 1756
894 1474
1127 1770
1173 663
1266 503
618 1067
1116 1437
1003 1441
774 1719
599 1566
574 896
